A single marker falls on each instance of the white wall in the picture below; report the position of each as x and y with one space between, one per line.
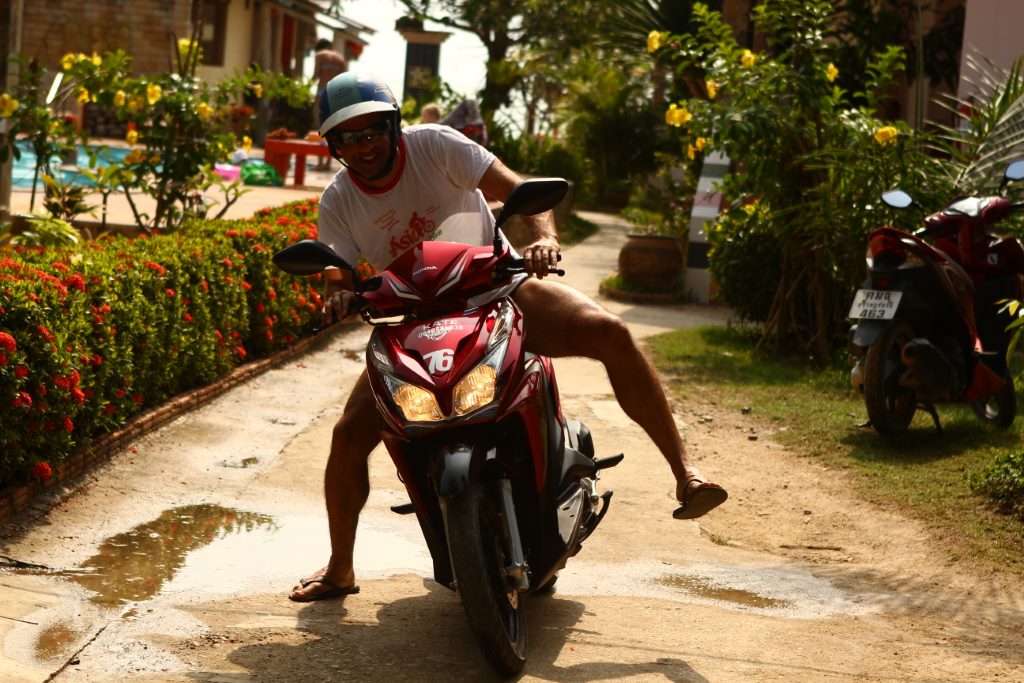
995 30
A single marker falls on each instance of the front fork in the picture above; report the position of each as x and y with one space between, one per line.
516 570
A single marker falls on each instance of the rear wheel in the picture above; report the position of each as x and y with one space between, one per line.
1000 408
890 405
494 608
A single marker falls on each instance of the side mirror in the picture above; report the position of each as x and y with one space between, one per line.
897 199
1015 171
309 257
533 196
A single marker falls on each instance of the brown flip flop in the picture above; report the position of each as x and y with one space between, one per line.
333 590
700 500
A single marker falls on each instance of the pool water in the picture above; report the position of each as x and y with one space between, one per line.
23 169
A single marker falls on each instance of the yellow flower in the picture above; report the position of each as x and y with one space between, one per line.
748 58
8 105
204 110
132 136
135 103
831 72
82 57
712 89
119 98
257 90
699 144
184 45
246 143
136 155
750 208
67 61
655 39
83 96
886 135
96 59
153 93
677 116
691 151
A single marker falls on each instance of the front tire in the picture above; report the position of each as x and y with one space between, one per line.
494 608
890 405
1000 408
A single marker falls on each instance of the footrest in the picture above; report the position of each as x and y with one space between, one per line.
610 461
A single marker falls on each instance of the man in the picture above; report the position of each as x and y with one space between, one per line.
392 177
327 63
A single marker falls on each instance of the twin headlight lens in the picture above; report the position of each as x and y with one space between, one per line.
474 391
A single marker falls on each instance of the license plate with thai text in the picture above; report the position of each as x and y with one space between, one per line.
875 304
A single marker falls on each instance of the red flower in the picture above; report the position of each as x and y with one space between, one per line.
45 333
259 307
68 424
7 342
77 396
137 398
188 318
156 267
271 294
246 286
42 470
250 234
21 399
227 262
205 285
170 292
231 233
75 282
240 351
59 266
21 371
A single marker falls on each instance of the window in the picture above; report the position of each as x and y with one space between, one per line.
214 15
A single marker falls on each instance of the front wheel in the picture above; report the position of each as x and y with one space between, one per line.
494 608
1000 408
890 405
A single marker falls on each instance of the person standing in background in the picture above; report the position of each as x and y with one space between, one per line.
327 64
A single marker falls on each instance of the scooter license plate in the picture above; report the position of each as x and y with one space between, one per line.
875 304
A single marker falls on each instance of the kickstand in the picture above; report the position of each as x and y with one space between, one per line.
930 407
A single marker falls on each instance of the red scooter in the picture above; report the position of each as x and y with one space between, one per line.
929 326
505 489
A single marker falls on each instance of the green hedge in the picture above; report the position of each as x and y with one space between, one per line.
92 336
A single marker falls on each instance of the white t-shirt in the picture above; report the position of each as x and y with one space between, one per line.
440 171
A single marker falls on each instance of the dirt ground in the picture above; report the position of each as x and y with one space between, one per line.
172 563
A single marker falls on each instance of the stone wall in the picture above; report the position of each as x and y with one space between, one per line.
145 29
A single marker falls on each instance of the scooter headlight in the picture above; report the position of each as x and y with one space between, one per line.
478 387
416 403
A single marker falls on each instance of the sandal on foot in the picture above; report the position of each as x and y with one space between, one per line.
700 500
333 591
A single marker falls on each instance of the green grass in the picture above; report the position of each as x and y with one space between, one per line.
922 473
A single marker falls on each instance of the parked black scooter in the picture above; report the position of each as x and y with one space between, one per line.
928 323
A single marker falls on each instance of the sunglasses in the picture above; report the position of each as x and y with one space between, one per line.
351 138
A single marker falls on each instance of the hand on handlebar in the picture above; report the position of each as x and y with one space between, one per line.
338 306
542 257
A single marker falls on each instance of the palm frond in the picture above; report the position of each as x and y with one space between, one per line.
990 125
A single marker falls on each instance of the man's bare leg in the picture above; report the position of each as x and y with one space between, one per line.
346 488
561 321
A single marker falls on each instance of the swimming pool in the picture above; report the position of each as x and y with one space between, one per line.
24 168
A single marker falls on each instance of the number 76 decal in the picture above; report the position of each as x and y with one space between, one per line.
440 361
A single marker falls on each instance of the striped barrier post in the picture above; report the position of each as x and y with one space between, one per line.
706 204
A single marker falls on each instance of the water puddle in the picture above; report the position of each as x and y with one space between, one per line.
57 639
702 587
136 564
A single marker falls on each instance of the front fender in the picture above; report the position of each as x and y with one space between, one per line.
457 465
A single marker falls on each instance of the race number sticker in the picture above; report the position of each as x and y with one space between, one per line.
875 304
440 362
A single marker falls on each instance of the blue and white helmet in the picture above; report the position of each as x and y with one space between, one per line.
349 95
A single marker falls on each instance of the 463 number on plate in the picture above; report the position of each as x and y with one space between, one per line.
875 304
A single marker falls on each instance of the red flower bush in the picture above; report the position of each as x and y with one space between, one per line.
92 337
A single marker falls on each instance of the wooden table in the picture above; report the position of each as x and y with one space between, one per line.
278 153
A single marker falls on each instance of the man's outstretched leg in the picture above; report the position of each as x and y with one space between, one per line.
346 488
561 321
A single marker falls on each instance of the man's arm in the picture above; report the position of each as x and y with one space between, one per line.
542 253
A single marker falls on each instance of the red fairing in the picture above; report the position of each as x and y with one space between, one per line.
434 276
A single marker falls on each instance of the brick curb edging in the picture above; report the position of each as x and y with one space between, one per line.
17 498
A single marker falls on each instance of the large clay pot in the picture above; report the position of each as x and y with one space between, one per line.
652 262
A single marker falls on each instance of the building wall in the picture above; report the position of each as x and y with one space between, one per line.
145 29
238 43
993 30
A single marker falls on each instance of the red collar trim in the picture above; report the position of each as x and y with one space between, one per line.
394 181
